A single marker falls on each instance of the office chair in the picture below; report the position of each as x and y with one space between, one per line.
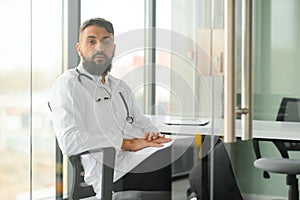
79 188
111 190
121 190
225 186
289 110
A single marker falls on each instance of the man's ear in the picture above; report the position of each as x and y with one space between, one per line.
78 49
113 55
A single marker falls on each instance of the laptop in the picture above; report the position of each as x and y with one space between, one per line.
186 121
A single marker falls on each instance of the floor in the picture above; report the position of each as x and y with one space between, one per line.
179 188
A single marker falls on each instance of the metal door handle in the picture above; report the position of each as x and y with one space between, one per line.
230 110
247 70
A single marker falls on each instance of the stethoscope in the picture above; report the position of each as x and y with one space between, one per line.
129 118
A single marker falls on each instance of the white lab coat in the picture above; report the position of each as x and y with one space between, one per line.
80 123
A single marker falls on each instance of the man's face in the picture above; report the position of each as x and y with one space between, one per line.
96 49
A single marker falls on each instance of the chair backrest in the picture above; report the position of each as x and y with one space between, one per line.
79 188
289 111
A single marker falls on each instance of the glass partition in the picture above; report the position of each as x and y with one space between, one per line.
189 69
15 98
46 55
31 61
276 46
276 63
189 77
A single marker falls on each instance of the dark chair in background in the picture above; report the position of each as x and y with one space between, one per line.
214 156
289 111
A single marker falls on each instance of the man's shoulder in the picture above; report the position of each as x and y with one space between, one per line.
66 79
68 75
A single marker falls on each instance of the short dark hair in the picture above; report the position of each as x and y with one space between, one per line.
100 22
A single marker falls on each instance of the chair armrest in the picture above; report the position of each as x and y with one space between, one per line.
105 150
108 164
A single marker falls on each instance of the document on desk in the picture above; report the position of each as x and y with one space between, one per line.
186 121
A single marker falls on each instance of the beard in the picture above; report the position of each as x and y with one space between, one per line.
97 68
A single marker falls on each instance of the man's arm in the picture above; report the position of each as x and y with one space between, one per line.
69 109
137 144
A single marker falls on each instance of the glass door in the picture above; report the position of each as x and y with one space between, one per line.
190 64
276 42
213 171
197 84
270 30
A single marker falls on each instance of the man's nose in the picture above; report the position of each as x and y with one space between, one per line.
99 47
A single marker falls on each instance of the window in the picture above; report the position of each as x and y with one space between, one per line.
27 143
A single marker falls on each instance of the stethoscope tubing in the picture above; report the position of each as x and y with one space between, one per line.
129 118
82 74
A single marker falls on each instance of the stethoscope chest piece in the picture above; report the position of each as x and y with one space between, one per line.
129 119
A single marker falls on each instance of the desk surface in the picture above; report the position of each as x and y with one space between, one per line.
261 129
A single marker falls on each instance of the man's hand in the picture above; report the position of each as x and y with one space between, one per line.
137 144
152 135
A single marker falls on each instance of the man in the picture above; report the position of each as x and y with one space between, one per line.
92 109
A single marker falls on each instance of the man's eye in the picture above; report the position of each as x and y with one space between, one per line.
107 42
91 41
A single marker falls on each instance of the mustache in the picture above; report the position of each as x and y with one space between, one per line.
99 54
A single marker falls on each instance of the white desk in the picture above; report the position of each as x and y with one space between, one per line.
261 129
